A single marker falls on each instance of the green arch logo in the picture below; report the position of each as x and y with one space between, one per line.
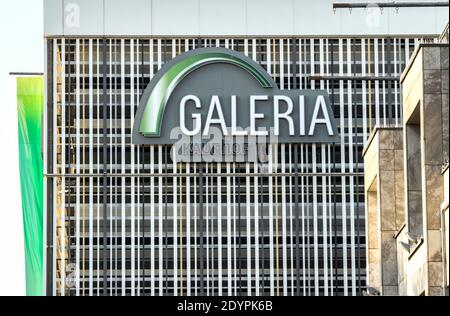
174 72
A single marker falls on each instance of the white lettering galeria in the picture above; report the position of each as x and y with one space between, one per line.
216 117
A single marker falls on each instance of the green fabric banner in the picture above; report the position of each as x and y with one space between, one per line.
30 101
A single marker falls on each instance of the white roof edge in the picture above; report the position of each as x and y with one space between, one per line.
233 18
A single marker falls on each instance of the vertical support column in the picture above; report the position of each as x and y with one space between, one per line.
383 168
435 104
105 166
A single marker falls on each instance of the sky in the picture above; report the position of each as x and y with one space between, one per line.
22 50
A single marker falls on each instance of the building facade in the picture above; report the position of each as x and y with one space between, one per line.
406 180
124 219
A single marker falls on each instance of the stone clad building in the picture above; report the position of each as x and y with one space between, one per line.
406 185
385 215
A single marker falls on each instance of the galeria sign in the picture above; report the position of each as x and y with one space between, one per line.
215 88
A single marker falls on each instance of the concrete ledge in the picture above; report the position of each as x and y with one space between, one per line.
414 55
372 136
400 230
444 168
416 248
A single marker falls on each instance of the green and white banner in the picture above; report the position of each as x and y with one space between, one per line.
30 101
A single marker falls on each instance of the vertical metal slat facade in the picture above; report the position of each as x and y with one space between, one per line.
126 220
